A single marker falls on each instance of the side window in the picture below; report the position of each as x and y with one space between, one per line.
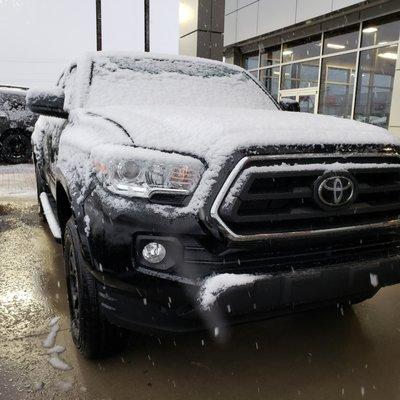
69 89
67 82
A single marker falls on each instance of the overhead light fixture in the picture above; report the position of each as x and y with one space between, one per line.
186 13
388 56
287 52
335 46
277 73
371 29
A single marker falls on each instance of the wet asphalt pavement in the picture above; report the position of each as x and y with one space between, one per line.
315 355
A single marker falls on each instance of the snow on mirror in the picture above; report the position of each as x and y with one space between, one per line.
49 101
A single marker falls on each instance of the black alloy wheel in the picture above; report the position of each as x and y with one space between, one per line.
16 147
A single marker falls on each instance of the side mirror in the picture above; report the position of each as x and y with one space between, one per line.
48 102
290 105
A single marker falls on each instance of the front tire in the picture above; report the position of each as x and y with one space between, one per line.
92 334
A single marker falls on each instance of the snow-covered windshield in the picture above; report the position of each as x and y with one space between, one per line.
159 82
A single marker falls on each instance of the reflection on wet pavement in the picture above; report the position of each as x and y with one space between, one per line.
315 355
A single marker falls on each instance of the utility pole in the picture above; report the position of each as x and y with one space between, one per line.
99 38
147 25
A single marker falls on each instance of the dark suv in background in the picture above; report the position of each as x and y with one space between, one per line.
16 126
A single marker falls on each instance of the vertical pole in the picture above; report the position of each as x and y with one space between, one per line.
147 25
99 38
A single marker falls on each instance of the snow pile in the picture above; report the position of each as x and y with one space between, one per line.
51 337
216 285
56 362
55 350
53 321
86 219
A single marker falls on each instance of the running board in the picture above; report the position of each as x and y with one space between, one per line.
50 217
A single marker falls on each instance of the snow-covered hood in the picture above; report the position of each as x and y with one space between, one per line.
212 133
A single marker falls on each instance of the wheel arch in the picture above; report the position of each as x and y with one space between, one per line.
64 205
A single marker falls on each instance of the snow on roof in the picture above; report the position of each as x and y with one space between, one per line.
156 56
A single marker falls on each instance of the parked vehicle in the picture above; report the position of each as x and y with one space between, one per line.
16 126
185 198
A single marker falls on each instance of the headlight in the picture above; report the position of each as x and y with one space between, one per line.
136 172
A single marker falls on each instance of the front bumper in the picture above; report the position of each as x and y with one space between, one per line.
166 305
300 274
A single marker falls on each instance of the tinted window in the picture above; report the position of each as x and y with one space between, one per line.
341 40
300 49
250 61
300 75
270 78
271 56
381 31
337 85
375 85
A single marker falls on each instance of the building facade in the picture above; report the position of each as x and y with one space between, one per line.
201 28
336 57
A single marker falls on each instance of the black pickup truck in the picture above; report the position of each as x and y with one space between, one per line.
186 198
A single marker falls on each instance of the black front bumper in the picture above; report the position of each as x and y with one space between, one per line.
299 274
153 308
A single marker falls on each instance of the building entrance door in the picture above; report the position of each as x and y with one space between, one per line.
307 98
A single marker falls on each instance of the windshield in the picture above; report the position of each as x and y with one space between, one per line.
147 81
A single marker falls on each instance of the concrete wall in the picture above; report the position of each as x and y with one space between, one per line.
245 19
38 38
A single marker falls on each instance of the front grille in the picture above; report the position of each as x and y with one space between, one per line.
301 256
270 196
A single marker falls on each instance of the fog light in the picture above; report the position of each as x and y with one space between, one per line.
154 252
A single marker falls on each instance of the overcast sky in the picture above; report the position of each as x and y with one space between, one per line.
38 37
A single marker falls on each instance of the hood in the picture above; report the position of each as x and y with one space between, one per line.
212 133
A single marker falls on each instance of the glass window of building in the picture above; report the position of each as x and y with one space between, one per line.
250 61
300 75
375 85
271 56
341 40
254 73
337 85
270 78
301 49
381 31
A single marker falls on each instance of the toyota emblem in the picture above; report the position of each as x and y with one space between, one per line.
335 190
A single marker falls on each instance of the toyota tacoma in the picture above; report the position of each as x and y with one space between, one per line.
186 198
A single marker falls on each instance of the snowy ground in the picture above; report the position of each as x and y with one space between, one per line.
324 354
17 181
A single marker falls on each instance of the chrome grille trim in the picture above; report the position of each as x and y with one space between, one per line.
214 212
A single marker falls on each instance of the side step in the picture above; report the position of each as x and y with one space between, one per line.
50 216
